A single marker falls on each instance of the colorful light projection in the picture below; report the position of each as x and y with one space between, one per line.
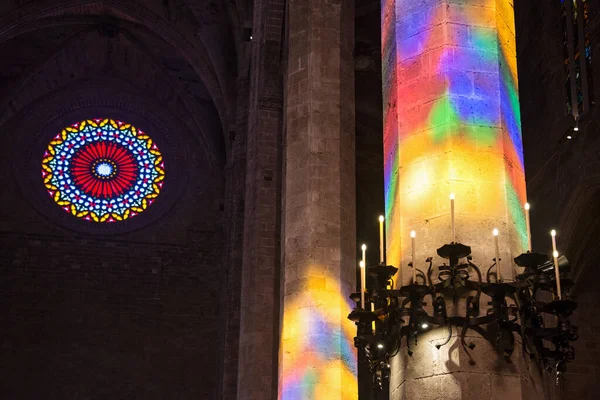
103 170
318 357
452 121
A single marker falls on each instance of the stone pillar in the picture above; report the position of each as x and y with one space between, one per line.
235 189
259 319
452 125
317 357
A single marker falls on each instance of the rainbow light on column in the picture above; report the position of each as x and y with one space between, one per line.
319 356
451 117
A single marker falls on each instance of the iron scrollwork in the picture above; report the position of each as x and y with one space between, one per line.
399 314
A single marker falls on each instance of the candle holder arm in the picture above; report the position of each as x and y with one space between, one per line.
429 270
395 306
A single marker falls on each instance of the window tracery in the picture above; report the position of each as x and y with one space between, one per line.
103 170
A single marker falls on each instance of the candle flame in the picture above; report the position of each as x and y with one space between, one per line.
555 254
361 264
451 196
553 232
413 234
363 247
381 218
527 206
495 232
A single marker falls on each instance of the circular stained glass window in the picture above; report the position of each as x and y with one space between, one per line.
103 170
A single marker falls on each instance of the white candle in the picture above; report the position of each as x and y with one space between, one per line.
381 252
362 284
363 248
555 256
528 226
413 234
497 249
452 217
373 323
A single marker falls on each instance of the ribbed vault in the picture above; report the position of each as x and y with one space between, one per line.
180 53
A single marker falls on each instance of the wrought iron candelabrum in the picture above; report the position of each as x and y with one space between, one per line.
401 313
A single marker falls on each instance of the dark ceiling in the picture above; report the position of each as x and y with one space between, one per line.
49 45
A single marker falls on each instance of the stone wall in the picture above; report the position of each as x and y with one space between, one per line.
557 169
562 174
124 315
583 375
89 318
138 311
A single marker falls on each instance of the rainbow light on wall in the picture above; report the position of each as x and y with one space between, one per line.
451 118
319 358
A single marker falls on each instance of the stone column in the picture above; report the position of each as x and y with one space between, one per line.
259 319
452 125
235 189
317 357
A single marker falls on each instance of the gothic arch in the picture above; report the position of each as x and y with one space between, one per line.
128 57
177 33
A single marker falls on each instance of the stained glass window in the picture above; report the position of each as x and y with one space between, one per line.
103 170
587 46
577 54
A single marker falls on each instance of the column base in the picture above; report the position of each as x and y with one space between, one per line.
451 373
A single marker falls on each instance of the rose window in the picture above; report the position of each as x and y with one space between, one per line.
103 170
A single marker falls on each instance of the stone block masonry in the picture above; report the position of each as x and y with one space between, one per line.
452 125
106 319
259 310
317 357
